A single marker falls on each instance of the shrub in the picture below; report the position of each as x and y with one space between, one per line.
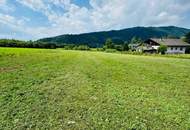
83 47
187 51
162 49
134 53
119 47
125 47
74 47
69 47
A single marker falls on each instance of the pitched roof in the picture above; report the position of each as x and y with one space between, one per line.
170 42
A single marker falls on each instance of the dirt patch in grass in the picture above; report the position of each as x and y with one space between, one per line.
10 68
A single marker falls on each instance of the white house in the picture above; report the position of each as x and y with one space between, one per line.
174 46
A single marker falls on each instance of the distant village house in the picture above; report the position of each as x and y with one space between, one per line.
174 46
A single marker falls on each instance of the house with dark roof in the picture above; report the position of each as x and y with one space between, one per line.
174 46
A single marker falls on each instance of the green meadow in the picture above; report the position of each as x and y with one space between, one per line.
85 90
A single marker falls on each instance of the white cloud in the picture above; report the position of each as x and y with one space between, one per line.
33 4
116 14
102 15
5 7
2 2
8 19
17 26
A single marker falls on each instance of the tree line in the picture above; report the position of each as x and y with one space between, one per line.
26 44
40 44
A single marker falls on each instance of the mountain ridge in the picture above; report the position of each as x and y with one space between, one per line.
97 39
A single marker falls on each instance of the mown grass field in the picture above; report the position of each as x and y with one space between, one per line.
57 89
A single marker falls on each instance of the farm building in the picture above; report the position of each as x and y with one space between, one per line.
174 46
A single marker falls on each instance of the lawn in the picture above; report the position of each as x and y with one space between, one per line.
58 89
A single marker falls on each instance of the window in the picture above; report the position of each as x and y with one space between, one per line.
176 48
172 48
181 48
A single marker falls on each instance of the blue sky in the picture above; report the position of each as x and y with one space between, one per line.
34 19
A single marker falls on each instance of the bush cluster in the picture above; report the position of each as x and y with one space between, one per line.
76 47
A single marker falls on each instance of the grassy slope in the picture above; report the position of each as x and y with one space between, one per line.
55 89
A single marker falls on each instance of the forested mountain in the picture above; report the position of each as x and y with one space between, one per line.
97 39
